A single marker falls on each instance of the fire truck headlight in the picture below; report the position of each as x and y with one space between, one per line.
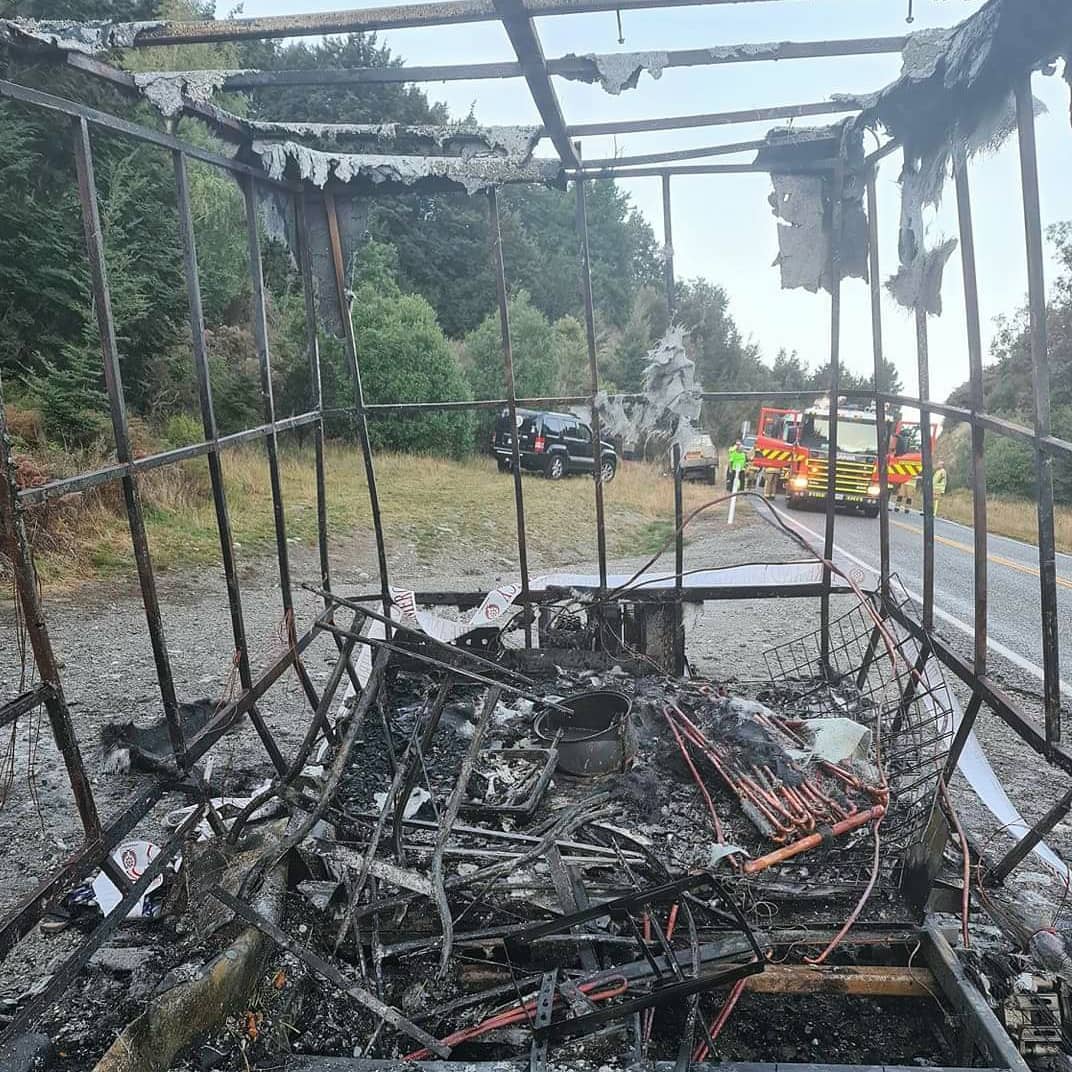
873 490
798 483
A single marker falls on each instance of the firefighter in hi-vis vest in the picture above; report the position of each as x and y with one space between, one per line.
735 465
903 499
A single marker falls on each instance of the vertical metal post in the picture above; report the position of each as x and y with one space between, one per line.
215 471
316 390
102 303
511 401
668 251
271 442
593 371
14 541
880 405
923 366
1040 382
679 535
975 372
359 396
837 187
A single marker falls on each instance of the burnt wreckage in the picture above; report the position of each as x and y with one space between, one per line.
522 835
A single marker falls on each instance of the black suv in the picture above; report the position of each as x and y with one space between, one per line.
552 443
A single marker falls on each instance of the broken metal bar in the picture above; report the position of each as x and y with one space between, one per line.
875 285
545 1010
329 972
581 222
215 471
25 702
511 395
1040 384
354 364
420 634
446 821
66 973
113 380
51 103
975 373
960 738
568 903
1015 856
432 13
844 103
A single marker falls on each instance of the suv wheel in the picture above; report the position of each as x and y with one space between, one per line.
504 465
607 470
555 469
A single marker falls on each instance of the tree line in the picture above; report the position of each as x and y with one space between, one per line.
424 308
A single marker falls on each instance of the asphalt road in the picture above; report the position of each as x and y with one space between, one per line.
1015 631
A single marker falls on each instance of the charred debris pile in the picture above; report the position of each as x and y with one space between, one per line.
562 857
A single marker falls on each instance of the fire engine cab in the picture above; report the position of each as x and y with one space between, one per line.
792 448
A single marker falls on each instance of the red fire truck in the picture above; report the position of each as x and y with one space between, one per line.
792 449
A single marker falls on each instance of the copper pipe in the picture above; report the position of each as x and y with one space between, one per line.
787 852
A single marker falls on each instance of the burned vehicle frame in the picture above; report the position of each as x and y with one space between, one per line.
976 66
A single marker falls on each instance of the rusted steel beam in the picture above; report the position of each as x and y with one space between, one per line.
811 168
593 373
891 982
571 66
208 423
113 381
975 373
726 149
49 102
24 703
960 738
1040 383
16 545
526 44
354 364
110 473
316 391
836 225
990 691
511 397
1018 853
875 284
714 119
668 249
399 16
927 456
271 441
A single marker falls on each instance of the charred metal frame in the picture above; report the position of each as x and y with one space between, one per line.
517 16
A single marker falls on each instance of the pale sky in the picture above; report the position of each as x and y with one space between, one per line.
723 228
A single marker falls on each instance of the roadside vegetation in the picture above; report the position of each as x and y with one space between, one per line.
457 511
1016 518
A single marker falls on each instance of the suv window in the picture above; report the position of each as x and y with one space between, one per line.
526 425
552 425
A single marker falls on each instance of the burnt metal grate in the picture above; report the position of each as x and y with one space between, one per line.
905 703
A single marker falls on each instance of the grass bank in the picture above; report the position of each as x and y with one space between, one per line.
438 507
1006 516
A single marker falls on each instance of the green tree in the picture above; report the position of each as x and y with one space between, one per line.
534 351
405 357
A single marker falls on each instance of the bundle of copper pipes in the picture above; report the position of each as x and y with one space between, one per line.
795 808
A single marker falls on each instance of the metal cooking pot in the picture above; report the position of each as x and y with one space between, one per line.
593 737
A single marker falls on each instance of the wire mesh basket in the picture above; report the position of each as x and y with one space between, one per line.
902 698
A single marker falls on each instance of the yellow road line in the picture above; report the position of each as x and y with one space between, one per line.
999 560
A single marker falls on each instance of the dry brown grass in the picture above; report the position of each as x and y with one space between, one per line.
1005 516
428 504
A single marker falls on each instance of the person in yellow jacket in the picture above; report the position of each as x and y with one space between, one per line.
939 482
